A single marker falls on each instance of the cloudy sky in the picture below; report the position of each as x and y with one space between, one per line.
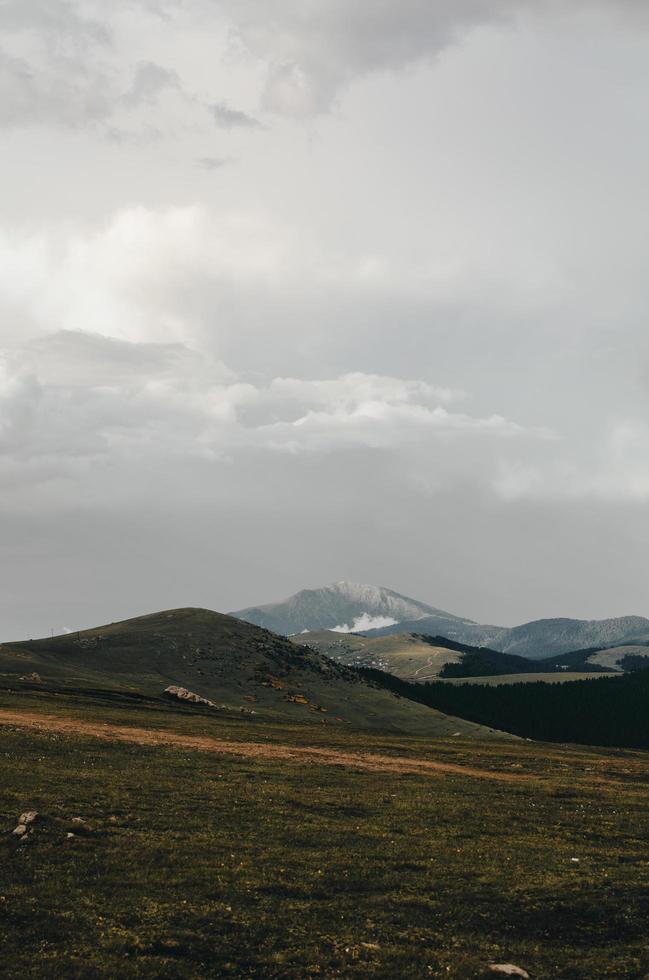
300 290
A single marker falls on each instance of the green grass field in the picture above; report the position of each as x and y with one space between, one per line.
200 865
405 655
495 679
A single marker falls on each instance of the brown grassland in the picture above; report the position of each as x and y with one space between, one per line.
193 861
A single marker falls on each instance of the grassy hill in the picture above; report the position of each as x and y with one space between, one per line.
606 658
617 658
239 666
412 657
419 659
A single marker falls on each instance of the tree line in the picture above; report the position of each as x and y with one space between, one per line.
610 711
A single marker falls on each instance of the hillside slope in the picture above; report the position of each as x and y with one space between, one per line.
233 664
602 710
417 658
405 655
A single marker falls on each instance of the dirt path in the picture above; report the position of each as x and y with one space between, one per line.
249 750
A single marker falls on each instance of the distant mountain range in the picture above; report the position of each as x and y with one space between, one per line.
539 639
374 611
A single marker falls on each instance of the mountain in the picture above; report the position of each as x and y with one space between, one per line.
547 637
374 611
538 640
347 607
238 666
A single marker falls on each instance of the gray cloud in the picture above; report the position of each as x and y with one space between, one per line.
60 19
406 342
59 67
72 396
149 81
60 63
213 163
34 94
51 66
313 53
228 118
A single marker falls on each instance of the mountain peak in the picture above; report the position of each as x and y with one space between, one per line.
342 606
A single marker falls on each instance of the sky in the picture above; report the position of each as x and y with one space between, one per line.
297 291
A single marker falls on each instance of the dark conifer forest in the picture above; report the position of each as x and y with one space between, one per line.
610 711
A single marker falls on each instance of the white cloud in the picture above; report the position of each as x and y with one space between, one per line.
383 424
365 622
70 402
356 388
140 277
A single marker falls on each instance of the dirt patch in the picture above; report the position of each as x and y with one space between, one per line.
306 755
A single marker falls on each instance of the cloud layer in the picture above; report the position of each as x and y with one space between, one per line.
61 62
298 291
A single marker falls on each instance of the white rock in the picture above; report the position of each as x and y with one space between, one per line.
182 694
508 970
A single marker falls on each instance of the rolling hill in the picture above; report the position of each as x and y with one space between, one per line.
417 658
621 657
240 667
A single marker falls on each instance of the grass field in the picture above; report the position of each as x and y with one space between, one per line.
405 655
566 675
195 864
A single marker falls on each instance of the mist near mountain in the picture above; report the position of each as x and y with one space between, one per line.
344 607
